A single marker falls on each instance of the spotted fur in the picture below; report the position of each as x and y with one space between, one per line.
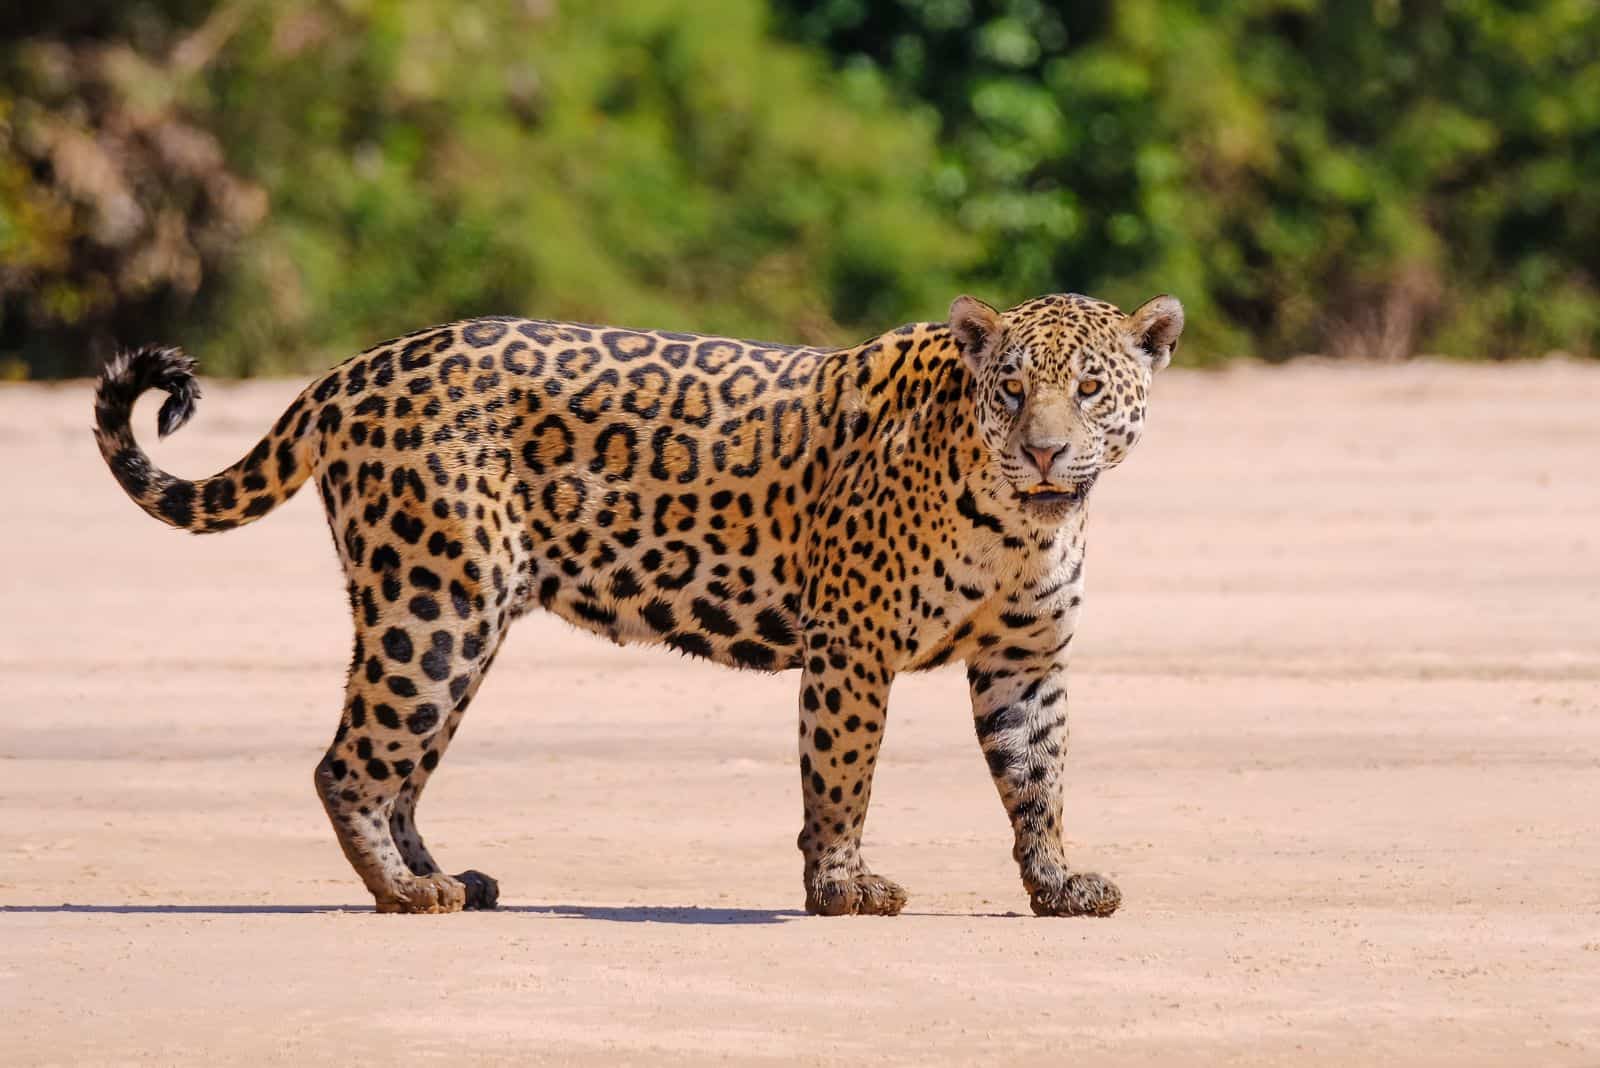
912 501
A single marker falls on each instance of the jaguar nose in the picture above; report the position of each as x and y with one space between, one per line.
1044 456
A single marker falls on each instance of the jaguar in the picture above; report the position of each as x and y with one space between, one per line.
915 500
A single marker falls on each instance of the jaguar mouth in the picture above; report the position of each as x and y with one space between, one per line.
1045 497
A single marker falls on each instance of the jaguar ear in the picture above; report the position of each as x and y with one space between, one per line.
1155 328
976 328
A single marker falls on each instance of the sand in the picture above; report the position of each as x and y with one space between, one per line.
1336 734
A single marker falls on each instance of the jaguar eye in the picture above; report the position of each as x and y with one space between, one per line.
1014 390
1088 387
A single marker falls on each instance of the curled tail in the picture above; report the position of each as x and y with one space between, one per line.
251 488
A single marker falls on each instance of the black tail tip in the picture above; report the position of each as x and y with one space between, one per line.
129 374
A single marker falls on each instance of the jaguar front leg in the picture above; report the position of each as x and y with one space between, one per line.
843 702
1019 705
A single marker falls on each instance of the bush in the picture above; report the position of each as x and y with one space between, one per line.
645 163
1368 177
278 184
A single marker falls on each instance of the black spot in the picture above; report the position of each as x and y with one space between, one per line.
286 460
377 770
384 558
482 333
423 720
177 503
387 716
713 618
752 655
772 625
397 643
822 740
625 584
693 644
659 615
967 505
1002 718
425 608
436 661
594 613
407 527
220 495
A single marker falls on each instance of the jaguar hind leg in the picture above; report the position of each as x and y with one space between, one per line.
482 891
408 688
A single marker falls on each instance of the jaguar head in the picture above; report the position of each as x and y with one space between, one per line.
1060 385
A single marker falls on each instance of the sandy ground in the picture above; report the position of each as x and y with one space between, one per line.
1336 733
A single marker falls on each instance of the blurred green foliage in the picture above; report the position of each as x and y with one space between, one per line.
304 177
1350 176
277 183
